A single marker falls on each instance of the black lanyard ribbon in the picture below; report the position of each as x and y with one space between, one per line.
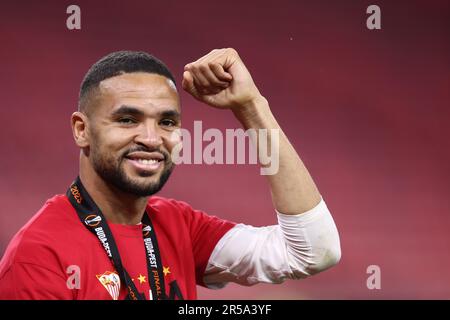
93 219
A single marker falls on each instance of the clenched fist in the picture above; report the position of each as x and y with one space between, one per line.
220 79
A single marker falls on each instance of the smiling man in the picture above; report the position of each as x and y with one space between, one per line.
110 237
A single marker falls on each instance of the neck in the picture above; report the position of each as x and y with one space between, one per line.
116 205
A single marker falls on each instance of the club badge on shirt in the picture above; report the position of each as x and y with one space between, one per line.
111 282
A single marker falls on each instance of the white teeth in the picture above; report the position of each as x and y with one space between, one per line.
145 161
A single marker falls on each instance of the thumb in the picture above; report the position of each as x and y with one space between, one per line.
188 84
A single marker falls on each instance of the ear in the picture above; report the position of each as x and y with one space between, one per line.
80 129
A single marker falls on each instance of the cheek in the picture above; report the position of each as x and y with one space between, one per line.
109 146
115 140
172 139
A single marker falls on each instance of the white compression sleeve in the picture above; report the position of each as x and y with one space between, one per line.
299 246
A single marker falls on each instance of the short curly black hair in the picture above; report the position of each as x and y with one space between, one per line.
117 63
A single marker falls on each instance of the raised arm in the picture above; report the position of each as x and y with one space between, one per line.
306 240
220 79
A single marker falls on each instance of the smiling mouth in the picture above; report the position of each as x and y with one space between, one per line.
145 161
149 166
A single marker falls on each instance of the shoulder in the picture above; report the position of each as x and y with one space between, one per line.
168 208
52 221
170 211
196 220
43 236
169 205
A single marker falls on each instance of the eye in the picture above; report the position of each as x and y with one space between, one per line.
168 122
126 120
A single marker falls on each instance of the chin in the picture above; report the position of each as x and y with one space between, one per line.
142 189
145 176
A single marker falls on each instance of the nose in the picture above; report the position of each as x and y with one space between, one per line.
149 135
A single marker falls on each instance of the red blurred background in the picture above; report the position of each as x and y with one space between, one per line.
366 110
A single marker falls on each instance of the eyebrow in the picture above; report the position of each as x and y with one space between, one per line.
130 110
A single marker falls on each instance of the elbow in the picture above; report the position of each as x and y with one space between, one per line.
312 240
317 261
329 257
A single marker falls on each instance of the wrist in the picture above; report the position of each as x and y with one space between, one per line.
252 109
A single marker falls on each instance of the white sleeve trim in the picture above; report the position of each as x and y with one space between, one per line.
299 246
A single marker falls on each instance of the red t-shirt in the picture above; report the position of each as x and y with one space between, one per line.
54 256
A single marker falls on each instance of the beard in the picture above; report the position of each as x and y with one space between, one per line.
112 172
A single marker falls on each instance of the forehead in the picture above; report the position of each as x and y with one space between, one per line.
138 89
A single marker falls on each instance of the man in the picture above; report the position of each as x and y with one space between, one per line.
109 237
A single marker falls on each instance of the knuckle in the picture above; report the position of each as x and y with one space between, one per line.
200 81
231 51
212 64
203 67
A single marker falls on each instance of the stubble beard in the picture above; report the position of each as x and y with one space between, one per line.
112 172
